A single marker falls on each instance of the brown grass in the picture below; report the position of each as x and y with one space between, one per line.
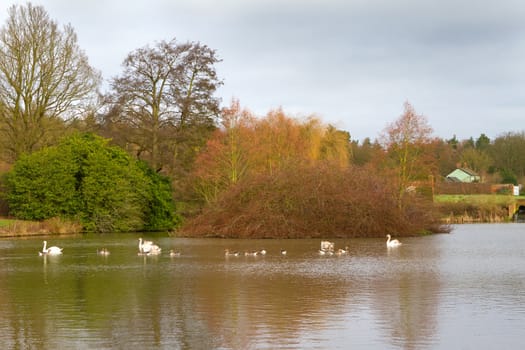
470 212
18 228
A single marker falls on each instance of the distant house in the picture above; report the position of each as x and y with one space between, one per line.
463 175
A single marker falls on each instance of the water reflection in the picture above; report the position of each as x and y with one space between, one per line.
372 297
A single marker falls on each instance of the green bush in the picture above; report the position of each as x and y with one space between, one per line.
85 179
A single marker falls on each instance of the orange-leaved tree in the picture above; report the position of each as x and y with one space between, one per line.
246 146
404 141
225 158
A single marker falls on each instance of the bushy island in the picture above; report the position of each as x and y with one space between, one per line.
313 202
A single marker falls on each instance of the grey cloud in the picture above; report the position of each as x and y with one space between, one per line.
461 62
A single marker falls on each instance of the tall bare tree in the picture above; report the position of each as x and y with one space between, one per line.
164 101
45 80
404 140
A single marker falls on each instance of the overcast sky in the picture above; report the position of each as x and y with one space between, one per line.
353 63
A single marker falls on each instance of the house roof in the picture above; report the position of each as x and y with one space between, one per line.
463 175
469 171
453 179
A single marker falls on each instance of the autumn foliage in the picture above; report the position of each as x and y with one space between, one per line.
246 146
318 200
282 177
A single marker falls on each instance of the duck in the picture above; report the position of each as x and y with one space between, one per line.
262 251
54 250
392 242
283 252
251 253
174 253
103 251
227 253
342 251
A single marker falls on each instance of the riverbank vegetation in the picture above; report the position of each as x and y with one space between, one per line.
23 228
157 151
486 208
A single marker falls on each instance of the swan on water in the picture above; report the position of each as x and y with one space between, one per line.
327 246
392 242
148 248
54 250
155 250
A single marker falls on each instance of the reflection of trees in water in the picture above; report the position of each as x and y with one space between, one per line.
214 307
242 307
25 312
406 299
199 303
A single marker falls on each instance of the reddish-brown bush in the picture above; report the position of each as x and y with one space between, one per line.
313 201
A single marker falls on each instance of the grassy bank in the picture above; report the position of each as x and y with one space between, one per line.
22 228
475 207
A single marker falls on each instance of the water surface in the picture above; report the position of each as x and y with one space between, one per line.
463 290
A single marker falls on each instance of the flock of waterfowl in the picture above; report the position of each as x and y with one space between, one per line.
228 252
327 248
147 248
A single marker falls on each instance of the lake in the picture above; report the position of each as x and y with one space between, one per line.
463 290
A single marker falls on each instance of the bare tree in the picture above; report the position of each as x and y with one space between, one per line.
404 140
163 96
45 79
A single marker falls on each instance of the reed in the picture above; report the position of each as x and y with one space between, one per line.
21 228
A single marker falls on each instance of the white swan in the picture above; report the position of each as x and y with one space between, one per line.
393 242
154 250
54 250
327 246
148 248
143 248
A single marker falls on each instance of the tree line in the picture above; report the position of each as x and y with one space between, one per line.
162 120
